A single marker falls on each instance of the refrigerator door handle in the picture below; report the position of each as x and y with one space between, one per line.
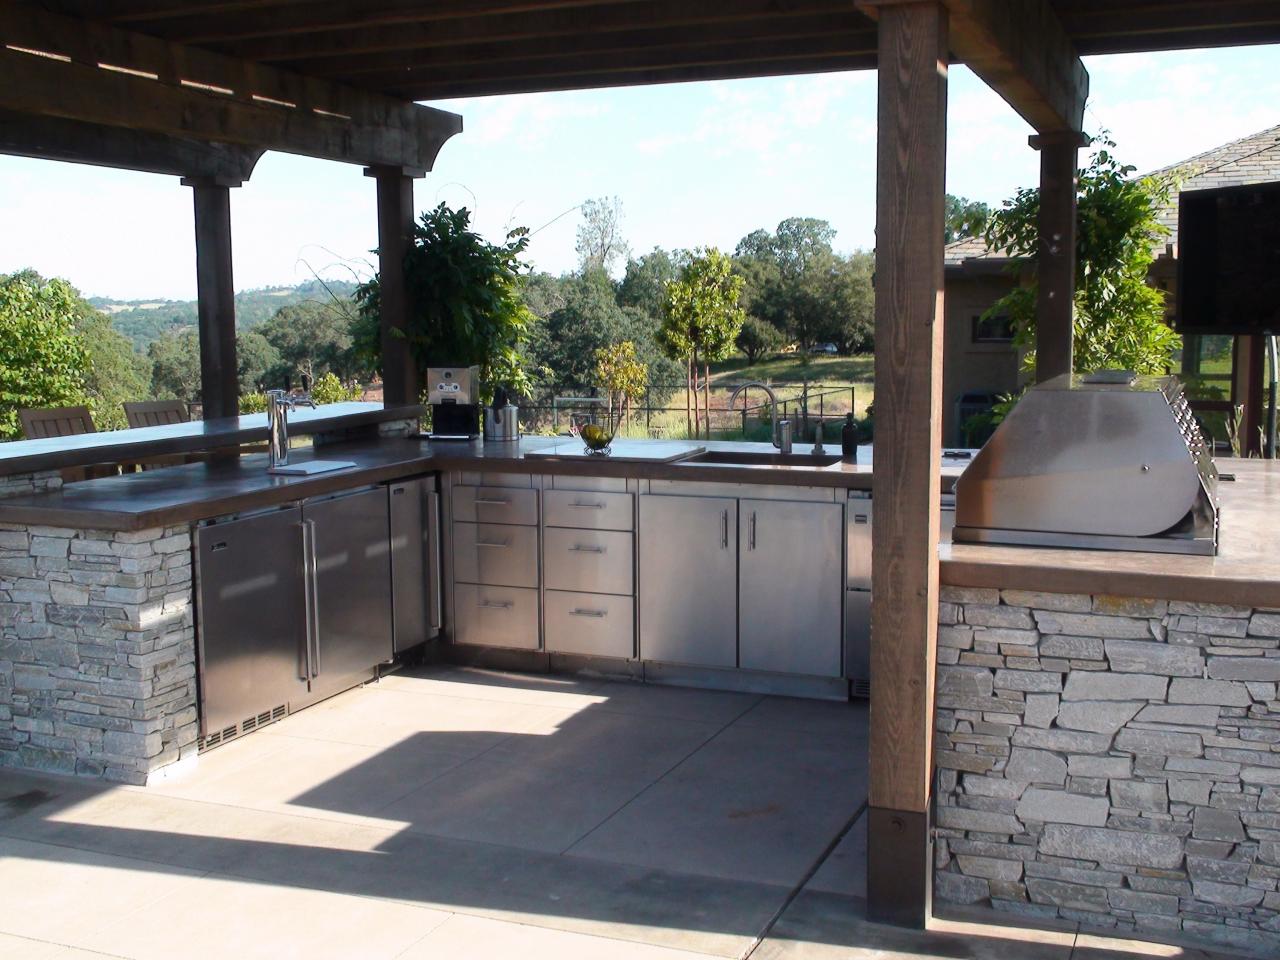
313 599
307 599
433 558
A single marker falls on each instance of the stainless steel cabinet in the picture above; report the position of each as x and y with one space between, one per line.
496 554
590 561
350 588
252 633
689 580
791 589
590 624
415 561
496 616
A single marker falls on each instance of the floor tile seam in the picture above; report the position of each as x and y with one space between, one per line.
645 789
604 937
67 946
448 915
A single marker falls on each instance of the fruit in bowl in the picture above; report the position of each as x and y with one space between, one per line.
596 431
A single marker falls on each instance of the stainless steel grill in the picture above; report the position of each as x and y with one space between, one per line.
1106 461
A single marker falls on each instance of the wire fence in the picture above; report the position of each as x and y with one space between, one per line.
662 413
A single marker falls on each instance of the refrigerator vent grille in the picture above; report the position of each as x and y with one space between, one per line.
860 689
247 725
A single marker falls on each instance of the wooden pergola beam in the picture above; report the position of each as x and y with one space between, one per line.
1023 53
77 70
53 138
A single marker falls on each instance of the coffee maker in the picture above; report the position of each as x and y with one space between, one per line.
454 395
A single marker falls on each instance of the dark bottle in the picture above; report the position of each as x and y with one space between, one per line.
849 440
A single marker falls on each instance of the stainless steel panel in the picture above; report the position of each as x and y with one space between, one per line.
352 600
593 561
495 505
590 624
496 616
689 580
756 491
415 587
857 639
499 555
251 630
570 482
490 478
790 589
857 548
586 510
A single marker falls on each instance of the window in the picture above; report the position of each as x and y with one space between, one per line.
992 329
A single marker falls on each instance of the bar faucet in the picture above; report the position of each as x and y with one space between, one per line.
818 448
781 428
279 403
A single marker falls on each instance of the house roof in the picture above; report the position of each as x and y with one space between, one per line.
1243 162
1249 160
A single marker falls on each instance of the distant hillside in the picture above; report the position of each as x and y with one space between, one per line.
144 320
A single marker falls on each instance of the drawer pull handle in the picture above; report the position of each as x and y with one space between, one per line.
494 503
497 604
587 506
595 614
579 548
487 543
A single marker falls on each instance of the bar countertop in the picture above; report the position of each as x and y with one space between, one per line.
53 453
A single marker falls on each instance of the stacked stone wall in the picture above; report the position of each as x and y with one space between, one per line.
1111 761
97 650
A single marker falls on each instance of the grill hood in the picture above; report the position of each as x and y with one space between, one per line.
1107 461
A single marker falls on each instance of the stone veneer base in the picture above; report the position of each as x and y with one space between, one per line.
1111 761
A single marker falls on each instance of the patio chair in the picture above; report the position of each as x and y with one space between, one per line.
41 424
155 413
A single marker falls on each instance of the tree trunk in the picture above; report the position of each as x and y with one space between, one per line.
706 381
688 392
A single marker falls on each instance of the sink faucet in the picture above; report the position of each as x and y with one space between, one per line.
279 403
781 428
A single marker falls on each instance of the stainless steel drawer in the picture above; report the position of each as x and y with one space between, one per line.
495 505
496 616
588 510
591 561
590 624
496 554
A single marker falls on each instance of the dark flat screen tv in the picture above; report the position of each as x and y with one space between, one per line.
1229 260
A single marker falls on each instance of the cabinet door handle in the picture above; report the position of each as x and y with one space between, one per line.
491 543
313 576
751 541
579 548
493 503
595 614
587 506
724 536
497 604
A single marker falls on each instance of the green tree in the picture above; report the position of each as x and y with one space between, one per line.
311 338
115 373
42 356
852 303
622 375
329 389
644 285
465 304
175 365
757 339
702 319
1119 317
257 360
599 242
964 218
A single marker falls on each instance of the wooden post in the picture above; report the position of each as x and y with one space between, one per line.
1056 257
1247 383
219 374
910 190
400 380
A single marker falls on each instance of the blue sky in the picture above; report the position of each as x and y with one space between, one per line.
694 165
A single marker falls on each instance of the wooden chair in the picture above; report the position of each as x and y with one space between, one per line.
65 422
155 413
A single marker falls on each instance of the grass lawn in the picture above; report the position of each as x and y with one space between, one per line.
797 367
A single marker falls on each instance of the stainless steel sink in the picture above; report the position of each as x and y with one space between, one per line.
733 458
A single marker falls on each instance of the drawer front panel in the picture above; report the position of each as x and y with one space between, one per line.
590 561
570 482
495 505
590 625
588 510
495 554
496 616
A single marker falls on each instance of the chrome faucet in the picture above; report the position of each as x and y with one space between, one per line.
279 403
781 428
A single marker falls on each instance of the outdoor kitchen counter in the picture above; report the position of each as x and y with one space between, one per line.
1246 571
198 491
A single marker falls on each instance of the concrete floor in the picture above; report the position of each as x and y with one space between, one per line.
463 814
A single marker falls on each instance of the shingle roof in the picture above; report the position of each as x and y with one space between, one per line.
1253 159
